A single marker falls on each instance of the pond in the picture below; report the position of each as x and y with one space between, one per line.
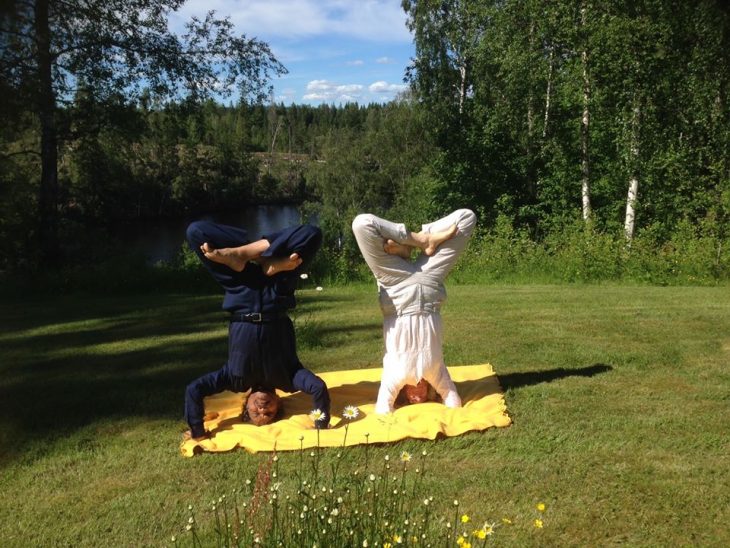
162 240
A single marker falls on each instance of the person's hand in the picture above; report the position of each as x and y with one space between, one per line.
188 435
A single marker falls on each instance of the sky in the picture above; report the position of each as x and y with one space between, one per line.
336 51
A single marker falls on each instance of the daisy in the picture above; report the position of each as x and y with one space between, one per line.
317 415
351 412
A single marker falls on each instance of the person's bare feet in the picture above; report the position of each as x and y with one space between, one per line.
274 265
394 248
435 239
187 435
234 258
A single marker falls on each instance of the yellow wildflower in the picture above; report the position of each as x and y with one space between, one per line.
465 519
538 523
405 456
541 506
507 521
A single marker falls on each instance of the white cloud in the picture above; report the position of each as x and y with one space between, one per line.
384 87
323 90
371 20
287 96
384 61
356 63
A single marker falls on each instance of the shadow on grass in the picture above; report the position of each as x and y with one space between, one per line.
528 378
80 361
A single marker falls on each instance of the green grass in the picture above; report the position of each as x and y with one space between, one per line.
620 398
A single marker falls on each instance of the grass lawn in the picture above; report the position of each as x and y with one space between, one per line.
620 398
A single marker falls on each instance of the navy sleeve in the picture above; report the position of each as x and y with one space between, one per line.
309 383
207 385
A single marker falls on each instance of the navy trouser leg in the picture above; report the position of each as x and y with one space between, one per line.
302 239
219 236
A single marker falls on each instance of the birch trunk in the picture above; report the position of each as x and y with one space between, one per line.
548 92
633 193
462 87
584 130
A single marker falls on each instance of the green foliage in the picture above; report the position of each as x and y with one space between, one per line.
18 183
506 87
579 253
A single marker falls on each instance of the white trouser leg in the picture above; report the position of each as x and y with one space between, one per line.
371 232
438 377
391 383
440 263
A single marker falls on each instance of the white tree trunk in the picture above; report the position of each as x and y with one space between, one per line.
631 208
630 221
548 92
462 87
584 131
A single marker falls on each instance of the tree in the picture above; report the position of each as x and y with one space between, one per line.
585 121
51 48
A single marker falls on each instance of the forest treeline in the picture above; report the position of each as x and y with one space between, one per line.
591 138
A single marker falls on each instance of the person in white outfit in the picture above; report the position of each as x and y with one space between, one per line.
411 293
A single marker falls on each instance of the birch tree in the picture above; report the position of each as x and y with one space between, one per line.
585 120
633 162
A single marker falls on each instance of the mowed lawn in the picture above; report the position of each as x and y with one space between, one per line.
620 398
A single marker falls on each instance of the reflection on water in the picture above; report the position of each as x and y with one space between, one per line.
162 240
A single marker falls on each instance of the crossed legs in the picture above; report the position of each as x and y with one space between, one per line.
229 246
386 246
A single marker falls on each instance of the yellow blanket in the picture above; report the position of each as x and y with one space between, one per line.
478 386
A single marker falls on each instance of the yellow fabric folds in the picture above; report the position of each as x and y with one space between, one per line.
478 386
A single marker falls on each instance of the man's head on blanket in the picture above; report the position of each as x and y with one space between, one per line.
415 393
261 407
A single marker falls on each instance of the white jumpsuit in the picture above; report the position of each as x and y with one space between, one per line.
411 294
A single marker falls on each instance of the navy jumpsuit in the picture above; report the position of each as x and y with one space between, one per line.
261 355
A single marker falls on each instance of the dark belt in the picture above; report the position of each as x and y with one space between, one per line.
256 317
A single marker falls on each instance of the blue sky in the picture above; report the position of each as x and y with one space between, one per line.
335 50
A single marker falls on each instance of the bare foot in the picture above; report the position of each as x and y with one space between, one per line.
187 435
394 248
274 265
435 239
234 258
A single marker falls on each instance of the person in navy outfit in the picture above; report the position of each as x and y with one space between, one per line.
258 278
